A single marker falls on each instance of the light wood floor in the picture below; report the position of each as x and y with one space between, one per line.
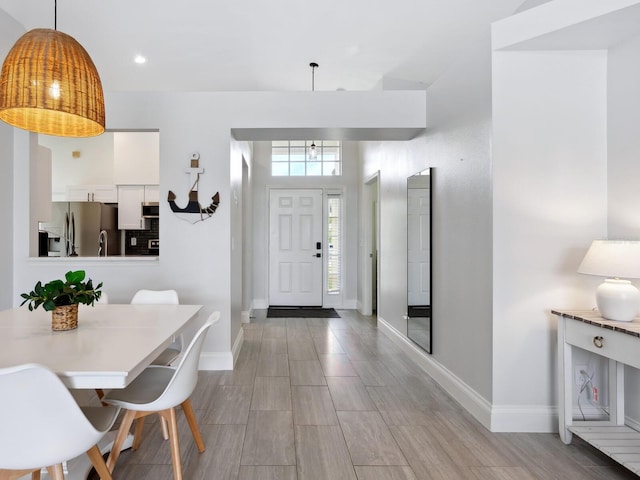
316 399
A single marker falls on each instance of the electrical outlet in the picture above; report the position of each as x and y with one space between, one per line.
134 241
579 376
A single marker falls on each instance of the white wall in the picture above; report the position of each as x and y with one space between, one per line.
239 152
10 31
94 166
549 202
518 140
562 99
263 181
624 140
395 161
623 120
6 215
198 259
457 145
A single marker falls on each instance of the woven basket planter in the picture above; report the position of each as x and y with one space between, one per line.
64 317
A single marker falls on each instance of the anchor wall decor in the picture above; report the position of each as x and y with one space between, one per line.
193 212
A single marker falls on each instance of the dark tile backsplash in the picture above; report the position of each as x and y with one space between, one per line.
142 239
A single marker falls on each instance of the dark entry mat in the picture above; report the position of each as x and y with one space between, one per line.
301 312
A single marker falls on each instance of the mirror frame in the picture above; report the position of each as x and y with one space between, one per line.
421 315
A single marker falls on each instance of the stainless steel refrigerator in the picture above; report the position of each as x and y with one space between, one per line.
93 229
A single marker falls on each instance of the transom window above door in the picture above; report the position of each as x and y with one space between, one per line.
305 158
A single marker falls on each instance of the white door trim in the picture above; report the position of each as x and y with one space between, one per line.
367 226
333 300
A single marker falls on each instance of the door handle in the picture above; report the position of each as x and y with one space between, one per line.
316 255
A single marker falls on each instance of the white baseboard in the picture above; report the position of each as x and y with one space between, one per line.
460 391
237 346
524 418
222 360
350 304
216 361
260 304
632 423
501 418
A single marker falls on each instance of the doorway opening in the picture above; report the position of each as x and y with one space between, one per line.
371 230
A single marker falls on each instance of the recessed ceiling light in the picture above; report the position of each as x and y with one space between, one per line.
139 59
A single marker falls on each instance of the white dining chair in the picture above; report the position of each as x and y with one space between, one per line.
43 426
160 389
104 298
161 297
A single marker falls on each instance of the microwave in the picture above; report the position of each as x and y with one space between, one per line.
150 210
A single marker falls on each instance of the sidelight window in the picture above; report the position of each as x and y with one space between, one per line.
334 250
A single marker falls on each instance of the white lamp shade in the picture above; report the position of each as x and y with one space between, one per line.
612 258
617 299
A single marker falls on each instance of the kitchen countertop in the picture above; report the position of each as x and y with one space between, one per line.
146 259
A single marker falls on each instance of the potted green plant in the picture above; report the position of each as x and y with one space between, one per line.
62 298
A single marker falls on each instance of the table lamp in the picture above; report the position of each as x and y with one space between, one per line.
616 297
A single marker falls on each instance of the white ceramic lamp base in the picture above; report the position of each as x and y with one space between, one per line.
618 300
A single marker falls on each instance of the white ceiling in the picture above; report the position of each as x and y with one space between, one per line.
238 45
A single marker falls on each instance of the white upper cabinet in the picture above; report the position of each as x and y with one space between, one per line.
88 169
136 158
131 198
92 193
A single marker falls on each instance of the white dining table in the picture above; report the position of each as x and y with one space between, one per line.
111 346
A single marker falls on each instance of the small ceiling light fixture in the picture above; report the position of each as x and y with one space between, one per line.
50 85
313 150
140 59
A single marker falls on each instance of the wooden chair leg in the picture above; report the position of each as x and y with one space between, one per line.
137 433
15 474
123 431
165 429
193 424
35 475
98 462
100 394
170 416
56 472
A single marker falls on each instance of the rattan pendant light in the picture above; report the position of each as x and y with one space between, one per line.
50 85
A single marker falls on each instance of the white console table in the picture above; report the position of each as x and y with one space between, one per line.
619 342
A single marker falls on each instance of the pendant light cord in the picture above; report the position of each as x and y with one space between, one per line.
55 14
313 66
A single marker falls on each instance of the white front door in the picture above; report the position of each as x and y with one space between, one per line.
295 247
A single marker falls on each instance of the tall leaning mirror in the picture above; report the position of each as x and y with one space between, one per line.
419 258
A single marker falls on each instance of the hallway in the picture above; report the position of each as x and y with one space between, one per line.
316 399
